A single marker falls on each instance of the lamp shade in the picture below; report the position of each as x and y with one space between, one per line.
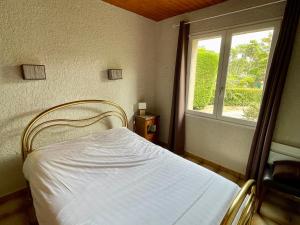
142 105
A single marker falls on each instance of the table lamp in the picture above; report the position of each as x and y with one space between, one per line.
142 106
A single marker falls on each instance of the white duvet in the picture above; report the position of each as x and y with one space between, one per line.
116 177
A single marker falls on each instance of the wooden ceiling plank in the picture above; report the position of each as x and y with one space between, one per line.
162 9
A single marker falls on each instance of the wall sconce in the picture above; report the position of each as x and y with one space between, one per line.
33 72
142 106
114 74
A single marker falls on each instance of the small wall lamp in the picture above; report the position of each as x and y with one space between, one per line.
114 74
33 72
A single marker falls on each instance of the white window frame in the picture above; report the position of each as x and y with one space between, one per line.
225 48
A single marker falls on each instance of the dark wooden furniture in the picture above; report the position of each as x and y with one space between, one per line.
147 126
291 190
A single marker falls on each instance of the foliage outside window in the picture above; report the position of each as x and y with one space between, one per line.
244 73
206 76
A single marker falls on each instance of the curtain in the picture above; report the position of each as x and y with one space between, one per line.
177 122
262 139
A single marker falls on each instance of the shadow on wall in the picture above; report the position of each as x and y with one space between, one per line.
11 74
228 161
11 167
103 76
17 119
10 156
139 81
11 129
14 133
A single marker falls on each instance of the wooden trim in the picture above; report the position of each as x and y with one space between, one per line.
162 144
14 212
17 194
214 165
21 207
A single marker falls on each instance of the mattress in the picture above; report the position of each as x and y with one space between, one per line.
116 177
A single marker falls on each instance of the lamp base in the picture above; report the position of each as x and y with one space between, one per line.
142 112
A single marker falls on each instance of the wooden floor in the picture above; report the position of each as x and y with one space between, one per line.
274 211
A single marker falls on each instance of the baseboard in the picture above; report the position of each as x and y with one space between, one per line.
162 144
14 203
215 165
17 194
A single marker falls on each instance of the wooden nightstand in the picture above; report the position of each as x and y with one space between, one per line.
147 126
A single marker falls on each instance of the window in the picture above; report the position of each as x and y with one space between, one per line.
206 72
228 71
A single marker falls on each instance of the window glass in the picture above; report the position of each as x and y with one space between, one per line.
206 71
247 66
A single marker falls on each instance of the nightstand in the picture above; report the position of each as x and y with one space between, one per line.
147 126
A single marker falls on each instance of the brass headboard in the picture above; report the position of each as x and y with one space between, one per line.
35 126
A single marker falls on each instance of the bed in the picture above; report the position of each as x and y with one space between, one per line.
116 177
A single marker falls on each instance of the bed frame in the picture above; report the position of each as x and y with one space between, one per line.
245 197
35 127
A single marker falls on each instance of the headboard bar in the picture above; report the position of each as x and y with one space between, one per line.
247 195
34 128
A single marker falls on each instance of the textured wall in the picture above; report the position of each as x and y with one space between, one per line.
287 130
227 144
77 40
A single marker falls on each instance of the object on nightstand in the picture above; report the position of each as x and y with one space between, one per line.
147 126
142 106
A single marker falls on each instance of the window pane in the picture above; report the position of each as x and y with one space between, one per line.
246 74
206 71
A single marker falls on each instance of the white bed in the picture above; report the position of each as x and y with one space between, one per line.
116 177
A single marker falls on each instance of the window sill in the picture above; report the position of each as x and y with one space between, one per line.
227 120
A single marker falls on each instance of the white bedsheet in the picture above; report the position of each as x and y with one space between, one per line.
116 177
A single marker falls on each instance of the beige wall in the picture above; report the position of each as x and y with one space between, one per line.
77 40
225 143
287 130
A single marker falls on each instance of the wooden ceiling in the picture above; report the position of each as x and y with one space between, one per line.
161 9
